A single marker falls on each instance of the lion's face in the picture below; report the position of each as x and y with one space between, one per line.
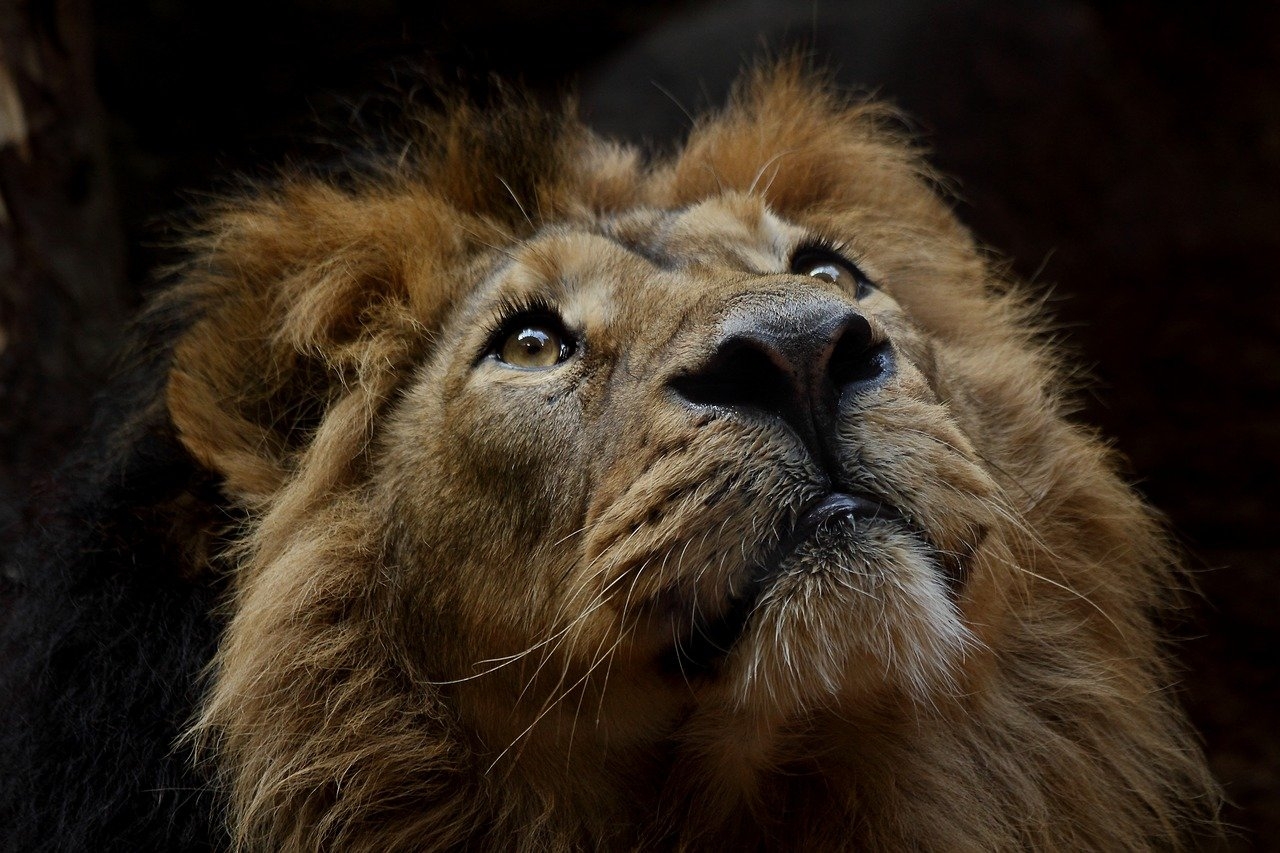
732 498
714 463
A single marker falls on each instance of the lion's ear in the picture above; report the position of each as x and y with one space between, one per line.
301 299
790 136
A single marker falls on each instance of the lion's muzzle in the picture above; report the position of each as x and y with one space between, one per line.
790 361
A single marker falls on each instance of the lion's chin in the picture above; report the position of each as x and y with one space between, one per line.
854 604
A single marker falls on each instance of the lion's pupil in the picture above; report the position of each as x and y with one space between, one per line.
826 272
533 341
532 347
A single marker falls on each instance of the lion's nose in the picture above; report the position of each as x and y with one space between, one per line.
791 363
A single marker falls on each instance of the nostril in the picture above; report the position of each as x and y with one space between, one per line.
741 374
793 367
858 362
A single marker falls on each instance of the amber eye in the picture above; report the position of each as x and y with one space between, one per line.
534 343
830 266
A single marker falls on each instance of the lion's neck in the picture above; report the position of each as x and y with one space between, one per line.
638 771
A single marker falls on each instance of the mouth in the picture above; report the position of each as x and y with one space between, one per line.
713 638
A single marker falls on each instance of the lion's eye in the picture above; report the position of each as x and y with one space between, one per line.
830 266
534 343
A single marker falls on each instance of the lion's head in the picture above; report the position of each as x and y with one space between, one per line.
723 499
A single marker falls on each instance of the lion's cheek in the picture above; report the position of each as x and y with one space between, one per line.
509 455
482 514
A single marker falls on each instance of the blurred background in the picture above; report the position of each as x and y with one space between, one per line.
1125 158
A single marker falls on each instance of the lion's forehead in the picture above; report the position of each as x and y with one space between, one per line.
643 258
736 231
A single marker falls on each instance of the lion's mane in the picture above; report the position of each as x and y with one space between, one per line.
407 660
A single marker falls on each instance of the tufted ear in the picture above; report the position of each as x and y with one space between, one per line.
790 135
314 296
303 298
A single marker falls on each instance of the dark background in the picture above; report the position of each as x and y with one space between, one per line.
1124 158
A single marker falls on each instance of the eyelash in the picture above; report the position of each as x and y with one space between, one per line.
511 312
823 243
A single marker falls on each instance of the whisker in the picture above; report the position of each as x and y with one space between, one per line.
547 709
512 193
760 172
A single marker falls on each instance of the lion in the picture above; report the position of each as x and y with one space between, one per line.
542 494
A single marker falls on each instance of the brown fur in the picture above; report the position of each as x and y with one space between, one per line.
458 582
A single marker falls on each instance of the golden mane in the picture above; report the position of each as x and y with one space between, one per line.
368 692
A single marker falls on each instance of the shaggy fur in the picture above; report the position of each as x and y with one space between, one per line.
478 607
101 651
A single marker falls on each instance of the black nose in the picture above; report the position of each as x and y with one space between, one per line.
792 363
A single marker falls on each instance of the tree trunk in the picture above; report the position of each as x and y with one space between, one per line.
62 287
